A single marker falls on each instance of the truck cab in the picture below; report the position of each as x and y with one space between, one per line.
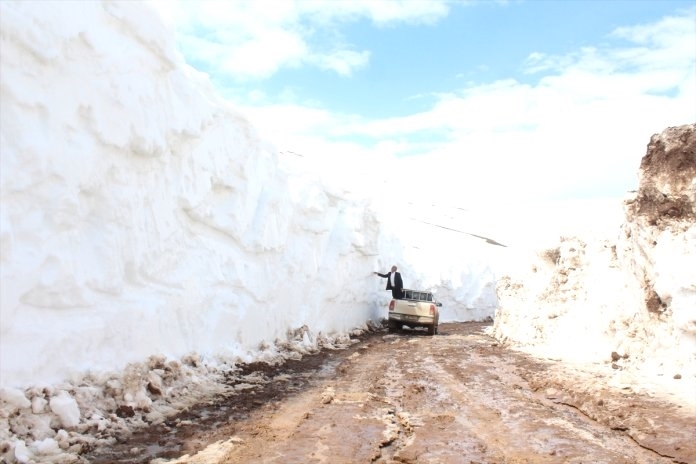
416 309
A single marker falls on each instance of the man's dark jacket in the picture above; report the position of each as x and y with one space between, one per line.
397 290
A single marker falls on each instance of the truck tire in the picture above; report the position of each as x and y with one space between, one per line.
393 327
432 329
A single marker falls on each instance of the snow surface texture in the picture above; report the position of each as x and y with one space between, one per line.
150 240
142 216
629 303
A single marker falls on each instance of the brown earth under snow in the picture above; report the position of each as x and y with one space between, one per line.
457 397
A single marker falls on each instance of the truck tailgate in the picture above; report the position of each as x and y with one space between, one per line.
412 310
412 307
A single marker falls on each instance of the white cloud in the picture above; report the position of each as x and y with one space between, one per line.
254 39
265 54
343 62
412 11
577 126
579 130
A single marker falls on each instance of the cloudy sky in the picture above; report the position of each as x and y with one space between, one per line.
531 100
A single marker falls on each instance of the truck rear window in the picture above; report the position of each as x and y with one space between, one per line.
418 296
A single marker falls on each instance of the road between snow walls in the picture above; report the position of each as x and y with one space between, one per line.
152 242
150 238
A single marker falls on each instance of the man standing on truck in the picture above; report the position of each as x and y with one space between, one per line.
394 283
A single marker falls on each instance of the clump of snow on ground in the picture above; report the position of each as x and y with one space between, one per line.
60 422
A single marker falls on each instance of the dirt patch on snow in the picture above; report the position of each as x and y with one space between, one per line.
667 173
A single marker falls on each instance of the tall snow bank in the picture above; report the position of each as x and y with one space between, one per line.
629 302
658 248
142 216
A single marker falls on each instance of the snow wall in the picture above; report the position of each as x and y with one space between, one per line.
630 302
141 215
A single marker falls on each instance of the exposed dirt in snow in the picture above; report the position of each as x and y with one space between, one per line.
457 397
667 191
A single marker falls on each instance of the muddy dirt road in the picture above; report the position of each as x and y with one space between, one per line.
457 397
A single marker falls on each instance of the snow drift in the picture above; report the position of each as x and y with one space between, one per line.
629 303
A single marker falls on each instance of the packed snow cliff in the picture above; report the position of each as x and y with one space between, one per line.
142 216
629 303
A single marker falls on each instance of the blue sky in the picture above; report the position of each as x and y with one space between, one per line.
543 99
477 43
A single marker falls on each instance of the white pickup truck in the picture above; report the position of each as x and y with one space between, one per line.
416 309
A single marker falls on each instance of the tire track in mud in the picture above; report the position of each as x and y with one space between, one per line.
454 398
504 420
480 410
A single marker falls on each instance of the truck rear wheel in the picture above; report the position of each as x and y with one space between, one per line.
393 326
432 329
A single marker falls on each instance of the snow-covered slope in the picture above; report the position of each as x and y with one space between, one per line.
629 302
141 215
